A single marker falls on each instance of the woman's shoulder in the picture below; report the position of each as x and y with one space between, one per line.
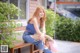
33 20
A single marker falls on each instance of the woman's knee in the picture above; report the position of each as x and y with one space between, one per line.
28 39
40 45
40 51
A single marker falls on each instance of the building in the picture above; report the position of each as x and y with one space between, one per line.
71 5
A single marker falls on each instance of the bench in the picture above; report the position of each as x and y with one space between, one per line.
21 45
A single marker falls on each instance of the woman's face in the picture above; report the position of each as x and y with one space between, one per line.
41 13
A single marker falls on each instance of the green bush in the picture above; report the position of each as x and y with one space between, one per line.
67 28
63 28
49 22
7 12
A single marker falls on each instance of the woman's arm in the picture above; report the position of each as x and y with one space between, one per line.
44 28
48 37
36 26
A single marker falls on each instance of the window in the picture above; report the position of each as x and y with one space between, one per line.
15 2
23 8
3 0
22 5
43 3
78 0
49 3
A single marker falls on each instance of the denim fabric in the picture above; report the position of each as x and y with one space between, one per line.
39 44
47 51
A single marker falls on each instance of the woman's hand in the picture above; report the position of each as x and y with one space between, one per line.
42 37
50 38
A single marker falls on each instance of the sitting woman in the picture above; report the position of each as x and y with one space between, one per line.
35 30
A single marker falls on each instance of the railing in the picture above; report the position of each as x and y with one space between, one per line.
67 2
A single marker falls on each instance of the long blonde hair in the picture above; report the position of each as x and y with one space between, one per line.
36 13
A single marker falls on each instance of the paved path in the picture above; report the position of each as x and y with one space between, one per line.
67 47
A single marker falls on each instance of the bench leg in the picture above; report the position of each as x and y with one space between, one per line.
19 50
12 50
31 48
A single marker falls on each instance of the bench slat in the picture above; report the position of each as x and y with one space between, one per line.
36 51
21 45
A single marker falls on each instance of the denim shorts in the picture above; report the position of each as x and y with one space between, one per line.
39 44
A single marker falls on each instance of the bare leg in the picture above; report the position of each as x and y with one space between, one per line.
41 51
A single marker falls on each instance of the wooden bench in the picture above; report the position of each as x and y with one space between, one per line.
21 45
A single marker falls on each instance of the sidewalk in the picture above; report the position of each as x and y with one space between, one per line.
67 47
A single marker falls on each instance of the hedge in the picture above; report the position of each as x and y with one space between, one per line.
67 28
63 28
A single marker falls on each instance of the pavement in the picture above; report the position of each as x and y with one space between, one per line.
67 46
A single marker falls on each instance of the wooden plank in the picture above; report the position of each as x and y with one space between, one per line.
22 45
36 51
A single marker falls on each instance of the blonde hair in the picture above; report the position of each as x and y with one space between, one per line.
36 13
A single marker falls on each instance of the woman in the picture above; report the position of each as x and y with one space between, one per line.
35 30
